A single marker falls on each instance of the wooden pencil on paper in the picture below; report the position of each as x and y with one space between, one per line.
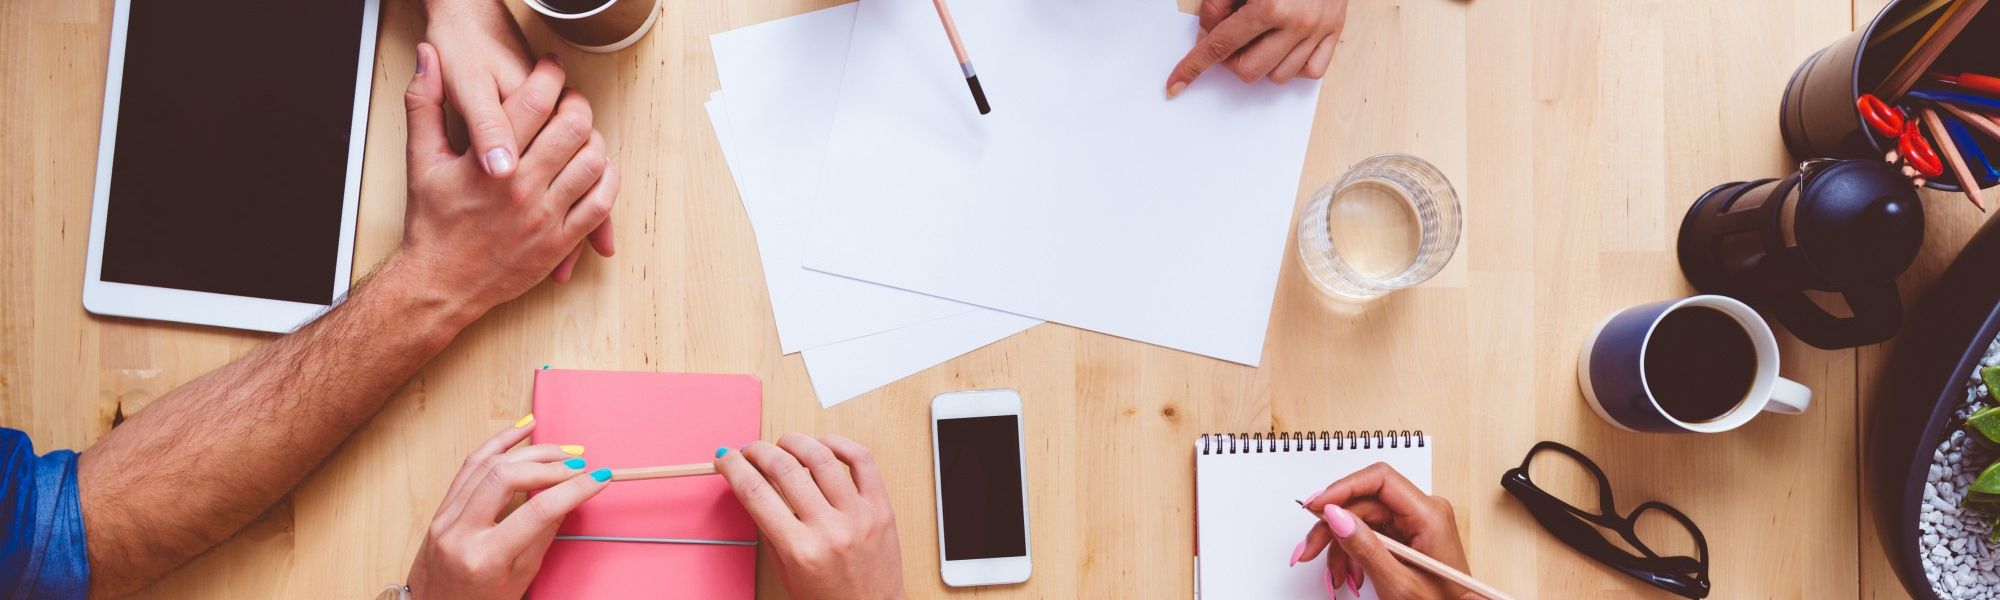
964 62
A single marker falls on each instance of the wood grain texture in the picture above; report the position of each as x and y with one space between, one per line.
1577 132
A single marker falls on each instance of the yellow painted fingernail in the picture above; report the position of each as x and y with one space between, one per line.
524 421
572 449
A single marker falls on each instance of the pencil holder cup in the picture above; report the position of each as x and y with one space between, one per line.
1818 116
598 26
1849 227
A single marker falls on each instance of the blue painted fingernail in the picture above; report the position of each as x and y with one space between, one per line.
545 367
721 452
601 475
574 463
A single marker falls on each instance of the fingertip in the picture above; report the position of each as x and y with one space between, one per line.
602 475
498 161
1340 521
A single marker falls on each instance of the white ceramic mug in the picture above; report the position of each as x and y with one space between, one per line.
609 27
1611 369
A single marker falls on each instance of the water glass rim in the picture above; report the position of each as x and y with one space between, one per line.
1439 219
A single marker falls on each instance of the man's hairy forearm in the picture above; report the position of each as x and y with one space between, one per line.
208 457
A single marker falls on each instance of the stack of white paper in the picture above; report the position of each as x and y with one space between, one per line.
899 228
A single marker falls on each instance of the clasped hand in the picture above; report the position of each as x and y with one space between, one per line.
486 239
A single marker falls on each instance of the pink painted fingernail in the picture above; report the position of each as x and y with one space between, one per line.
1341 521
1315 496
1354 582
1327 577
1298 552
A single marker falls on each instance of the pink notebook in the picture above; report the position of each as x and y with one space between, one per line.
704 541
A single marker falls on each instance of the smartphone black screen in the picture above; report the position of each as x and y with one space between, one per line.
230 165
979 472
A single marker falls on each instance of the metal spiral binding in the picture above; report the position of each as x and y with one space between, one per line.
1308 441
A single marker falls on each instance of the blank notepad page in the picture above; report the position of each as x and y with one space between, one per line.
1248 520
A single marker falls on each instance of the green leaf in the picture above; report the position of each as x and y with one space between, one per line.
1986 423
1991 375
1986 488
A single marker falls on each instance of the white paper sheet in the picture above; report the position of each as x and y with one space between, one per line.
1085 197
858 366
783 78
844 370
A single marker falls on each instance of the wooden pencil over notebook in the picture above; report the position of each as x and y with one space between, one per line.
663 472
964 63
1424 562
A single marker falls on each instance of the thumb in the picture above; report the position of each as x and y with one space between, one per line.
1363 549
424 100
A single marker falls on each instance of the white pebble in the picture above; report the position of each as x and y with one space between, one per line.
1959 561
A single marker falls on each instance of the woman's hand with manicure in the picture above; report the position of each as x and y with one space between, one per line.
824 510
476 548
1379 501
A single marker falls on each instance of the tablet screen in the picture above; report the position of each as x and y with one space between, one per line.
229 170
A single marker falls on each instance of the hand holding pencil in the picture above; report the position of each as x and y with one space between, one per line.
1356 508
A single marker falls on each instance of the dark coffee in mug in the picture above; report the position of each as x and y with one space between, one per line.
574 7
1699 364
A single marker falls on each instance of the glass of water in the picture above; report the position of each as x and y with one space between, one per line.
1390 223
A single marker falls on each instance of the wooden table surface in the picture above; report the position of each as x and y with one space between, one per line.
1577 132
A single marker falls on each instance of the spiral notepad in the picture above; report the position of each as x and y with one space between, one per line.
1247 520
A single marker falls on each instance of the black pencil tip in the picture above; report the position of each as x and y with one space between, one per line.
978 94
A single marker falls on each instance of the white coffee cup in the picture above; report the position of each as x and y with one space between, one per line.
609 27
1611 369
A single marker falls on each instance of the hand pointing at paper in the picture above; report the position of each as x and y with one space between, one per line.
1278 39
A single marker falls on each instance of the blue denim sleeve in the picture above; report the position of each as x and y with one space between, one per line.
42 552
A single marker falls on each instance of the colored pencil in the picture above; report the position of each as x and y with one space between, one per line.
1435 567
1953 159
1928 48
964 62
1968 146
1937 96
1983 124
663 472
1915 16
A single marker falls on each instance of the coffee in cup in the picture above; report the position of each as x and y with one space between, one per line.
1703 364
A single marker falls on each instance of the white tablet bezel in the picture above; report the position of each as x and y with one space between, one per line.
982 571
206 308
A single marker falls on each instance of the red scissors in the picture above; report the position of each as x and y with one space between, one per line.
1910 143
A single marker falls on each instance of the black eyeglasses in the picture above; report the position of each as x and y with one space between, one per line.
1578 528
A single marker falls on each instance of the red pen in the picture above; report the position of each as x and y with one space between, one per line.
1971 81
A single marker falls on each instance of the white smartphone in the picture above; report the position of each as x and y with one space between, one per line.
982 487
229 162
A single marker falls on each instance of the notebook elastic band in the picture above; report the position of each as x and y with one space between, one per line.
609 538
